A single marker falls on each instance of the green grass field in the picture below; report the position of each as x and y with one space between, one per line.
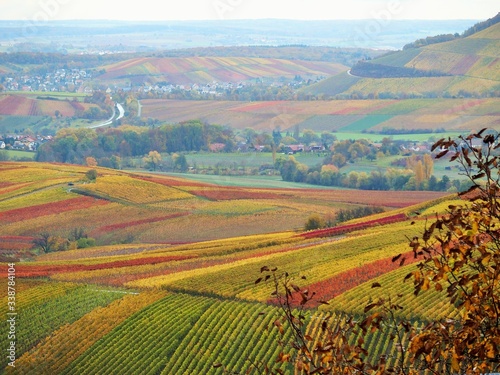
397 59
274 182
366 123
9 124
332 86
16 155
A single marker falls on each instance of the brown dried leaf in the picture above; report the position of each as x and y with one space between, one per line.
441 154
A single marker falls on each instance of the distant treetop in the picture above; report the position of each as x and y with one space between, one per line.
480 26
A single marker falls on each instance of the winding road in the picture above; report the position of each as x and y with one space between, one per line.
121 113
139 108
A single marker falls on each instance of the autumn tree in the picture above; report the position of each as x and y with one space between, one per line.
459 257
45 241
309 136
90 161
419 171
115 162
180 163
428 165
152 160
461 251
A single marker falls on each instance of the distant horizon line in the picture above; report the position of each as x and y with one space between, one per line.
241 19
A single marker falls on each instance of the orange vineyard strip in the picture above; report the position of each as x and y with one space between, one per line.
4 184
108 228
15 242
33 271
172 182
26 213
12 188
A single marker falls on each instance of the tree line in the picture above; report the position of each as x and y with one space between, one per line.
416 174
449 37
76 145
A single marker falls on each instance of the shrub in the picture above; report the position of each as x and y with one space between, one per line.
314 222
91 174
83 243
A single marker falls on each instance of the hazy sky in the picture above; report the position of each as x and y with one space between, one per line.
42 10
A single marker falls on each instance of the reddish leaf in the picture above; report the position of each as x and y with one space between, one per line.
441 154
437 144
455 157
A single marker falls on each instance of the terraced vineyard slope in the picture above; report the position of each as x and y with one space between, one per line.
187 308
467 66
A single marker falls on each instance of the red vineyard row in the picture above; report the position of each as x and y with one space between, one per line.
330 288
342 229
16 242
52 208
47 270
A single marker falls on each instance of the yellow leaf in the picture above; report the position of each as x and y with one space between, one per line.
486 260
490 350
426 284
455 364
327 358
475 227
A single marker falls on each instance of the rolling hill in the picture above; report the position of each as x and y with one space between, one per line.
36 197
23 105
421 115
184 308
467 66
203 70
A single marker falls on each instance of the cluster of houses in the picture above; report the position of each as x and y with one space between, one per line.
23 142
214 88
78 80
73 80
285 149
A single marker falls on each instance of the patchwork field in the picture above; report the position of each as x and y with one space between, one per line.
468 66
23 105
153 273
38 197
201 70
337 115
194 307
